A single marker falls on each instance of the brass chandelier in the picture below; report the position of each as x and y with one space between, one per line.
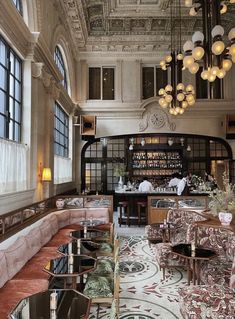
175 96
208 47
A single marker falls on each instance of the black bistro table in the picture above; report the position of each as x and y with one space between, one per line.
194 258
53 304
79 247
69 268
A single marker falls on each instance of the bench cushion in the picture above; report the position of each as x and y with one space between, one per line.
77 215
46 232
3 269
33 239
16 256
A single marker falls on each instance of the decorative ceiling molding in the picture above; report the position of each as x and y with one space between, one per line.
127 25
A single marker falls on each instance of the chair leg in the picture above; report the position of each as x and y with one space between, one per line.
120 216
98 311
164 273
128 216
139 215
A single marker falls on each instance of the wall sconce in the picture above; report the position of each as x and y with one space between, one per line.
182 141
44 174
188 148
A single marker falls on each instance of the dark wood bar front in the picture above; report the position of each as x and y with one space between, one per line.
157 205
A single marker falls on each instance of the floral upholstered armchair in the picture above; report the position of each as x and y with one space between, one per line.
181 220
209 301
222 241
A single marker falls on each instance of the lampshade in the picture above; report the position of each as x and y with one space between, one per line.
198 37
227 64
198 53
188 46
217 30
232 50
218 47
46 174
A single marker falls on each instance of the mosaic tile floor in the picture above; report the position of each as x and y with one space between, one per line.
144 294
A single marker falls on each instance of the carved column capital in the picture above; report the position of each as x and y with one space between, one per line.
32 44
37 69
46 79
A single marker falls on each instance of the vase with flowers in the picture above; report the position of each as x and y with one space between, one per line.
120 171
222 201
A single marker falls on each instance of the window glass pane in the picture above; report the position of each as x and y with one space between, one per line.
61 131
12 63
148 82
108 83
17 91
161 79
17 132
2 101
94 84
2 126
11 130
3 53
11 85
17 70
58 57
11 108
3 77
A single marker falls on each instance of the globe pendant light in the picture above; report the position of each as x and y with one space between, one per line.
176 97
209 46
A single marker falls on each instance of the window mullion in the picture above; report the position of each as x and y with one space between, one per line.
8 92
101 80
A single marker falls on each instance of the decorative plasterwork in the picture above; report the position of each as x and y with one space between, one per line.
55 89
126 25
156 118
43 54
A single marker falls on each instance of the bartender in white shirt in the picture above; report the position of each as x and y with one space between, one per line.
175 179
182 188
145 186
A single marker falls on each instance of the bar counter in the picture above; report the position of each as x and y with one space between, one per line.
159 202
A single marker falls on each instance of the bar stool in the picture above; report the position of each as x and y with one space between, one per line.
124 206
142 211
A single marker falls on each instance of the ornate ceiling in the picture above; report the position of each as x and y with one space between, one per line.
126 25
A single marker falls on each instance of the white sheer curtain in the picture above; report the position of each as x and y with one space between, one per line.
62 169
13 166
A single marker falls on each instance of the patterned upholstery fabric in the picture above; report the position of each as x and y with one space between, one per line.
232 279
181 220
210 301
202 302
221 240
98 286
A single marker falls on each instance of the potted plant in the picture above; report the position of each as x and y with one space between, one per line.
222 201
120 171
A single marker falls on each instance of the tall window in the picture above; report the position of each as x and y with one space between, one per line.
60 63
18 5
153 79
61 131
10 93
101 83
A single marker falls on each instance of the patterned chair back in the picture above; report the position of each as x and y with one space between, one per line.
220 239
232 279
182 219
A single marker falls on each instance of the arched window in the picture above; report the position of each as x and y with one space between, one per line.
60 63
19 7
